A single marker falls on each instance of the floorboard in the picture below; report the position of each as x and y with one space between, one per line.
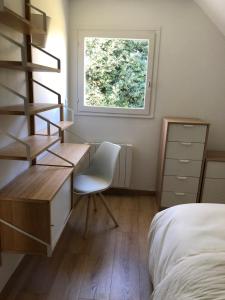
111 264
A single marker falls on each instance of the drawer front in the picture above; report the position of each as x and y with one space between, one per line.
213 191
183 167
171 198
215 169
60 209
187 133
180 184
185 150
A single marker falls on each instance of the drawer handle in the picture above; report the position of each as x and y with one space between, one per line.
184 161
181 178
188 126
186 144
179 194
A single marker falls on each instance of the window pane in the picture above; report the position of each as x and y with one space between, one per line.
115 72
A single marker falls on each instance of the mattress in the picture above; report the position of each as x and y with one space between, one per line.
187 253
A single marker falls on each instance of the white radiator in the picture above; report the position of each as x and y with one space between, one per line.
123 171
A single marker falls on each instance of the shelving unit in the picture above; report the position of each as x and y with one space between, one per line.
35 206
30 108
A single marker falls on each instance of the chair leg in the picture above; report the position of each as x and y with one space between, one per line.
87 216
108 209
77 202
94 202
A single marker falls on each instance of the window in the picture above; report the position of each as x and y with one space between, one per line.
117 73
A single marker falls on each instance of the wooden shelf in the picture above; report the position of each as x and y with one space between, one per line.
38 144
33 108
62 124
17 22
31 67
72 152
38 183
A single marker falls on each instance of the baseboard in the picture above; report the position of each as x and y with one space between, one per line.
129 192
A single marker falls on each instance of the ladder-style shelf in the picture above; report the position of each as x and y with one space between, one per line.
27 148
32 108
36 205
18 23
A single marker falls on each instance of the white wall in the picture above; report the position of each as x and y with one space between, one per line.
57 45
190 77
215 10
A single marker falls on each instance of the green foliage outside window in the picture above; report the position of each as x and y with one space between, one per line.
116 71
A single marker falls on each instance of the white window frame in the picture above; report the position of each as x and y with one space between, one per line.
151 81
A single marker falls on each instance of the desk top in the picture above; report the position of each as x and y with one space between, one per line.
41 182
38 183
71 152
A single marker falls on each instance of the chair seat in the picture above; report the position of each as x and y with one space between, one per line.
89 184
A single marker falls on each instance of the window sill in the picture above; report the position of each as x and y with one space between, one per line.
114 115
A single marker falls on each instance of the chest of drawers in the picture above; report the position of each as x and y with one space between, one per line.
182 152
213 188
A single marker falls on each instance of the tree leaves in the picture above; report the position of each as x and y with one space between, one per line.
116 71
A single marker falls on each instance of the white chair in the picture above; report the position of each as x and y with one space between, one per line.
97 178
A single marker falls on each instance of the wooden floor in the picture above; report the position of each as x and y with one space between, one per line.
111 264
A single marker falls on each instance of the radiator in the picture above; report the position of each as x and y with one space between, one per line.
123 171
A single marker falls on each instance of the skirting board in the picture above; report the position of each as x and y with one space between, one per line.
118 191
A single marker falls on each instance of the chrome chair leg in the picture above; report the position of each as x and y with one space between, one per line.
108 209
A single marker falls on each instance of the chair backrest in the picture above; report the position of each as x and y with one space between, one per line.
104 161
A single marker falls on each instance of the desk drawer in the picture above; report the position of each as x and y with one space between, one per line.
185 150
183 167
171 198
187 133
214 191
60 210
180 184
215 169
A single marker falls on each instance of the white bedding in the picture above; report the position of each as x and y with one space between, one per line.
187 253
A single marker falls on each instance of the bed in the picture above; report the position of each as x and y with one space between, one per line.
187 253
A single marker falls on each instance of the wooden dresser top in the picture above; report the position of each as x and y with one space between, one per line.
179 120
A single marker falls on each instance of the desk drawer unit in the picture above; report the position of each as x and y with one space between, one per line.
213 188
34 209
180 163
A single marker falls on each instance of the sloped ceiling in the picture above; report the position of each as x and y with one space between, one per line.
215 9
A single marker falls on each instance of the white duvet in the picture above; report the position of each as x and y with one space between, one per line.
187 253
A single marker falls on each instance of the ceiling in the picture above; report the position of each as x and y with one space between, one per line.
215 9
